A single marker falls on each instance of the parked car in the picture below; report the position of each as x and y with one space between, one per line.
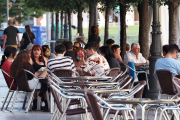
21 31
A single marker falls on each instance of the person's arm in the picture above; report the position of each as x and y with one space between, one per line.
33 40
5 37
18 39
45 61
99 44
119 59
139 64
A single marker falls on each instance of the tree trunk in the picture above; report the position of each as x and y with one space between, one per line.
106 30
91 18
61 24
173 14
144 28
80 19
123 30
57 25
69 21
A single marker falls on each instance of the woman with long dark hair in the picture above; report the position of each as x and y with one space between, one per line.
108 54
94 37
23 61
6 62
28 37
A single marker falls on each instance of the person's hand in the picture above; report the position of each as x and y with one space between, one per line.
18 45
4 46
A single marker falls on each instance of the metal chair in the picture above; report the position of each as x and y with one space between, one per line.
123 68
11 89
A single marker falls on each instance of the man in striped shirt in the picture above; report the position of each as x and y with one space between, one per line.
60 61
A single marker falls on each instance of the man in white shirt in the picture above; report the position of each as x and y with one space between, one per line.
135 56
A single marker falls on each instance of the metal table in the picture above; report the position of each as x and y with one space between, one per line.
143 102
86 78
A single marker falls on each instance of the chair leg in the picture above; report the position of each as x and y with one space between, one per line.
9 100
15 97
24 103
5 100
64 111
29 101
48 100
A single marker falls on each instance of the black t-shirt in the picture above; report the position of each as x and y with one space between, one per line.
37 66
28 39
113 63
69 53
11 33
93 38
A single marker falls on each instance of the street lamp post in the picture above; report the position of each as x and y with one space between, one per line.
153 92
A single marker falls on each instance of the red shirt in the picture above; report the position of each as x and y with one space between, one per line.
6 67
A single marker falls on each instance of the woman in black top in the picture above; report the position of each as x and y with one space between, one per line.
23 61
94 37
28 37
108 54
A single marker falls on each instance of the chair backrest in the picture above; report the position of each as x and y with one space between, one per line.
114 71
165 81
63 72
123 67
22 82
56 99
140 92
127 83
93 105
14 86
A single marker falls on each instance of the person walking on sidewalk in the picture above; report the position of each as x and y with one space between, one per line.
10 34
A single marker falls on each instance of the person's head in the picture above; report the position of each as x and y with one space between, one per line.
173 50
110 42
116 49
10 22
46 51
9 52
135 48
21 62
127 47
28 29
106 52
79 53
60 49
95 30
37 52
64 41
29 48
68 45
165 49
76 45
91 48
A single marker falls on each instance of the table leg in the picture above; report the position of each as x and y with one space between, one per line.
143 111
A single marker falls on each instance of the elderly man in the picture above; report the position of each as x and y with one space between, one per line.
10 34
135 56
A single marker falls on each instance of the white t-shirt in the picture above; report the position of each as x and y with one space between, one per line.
131 57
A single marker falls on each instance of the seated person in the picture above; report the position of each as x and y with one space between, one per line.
96 64
76 45
69 49
169 61
165 49
135 56
6 61
80 58
29 48
127 48
61 61
108 54
47 53
110 42
117 50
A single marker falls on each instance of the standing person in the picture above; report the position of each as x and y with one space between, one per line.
6 61
28 37
10 34
47 53
108 54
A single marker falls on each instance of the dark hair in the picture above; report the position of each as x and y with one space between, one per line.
109 41
114 47
107 51
127 47
173 48
7 52
91 45
60 49
68 45
78 43
165 48
41 58
95 30
21 62
28 30
64 41
44 48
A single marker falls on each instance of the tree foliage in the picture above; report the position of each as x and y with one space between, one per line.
2 11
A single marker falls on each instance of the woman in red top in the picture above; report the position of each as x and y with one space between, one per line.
7 58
